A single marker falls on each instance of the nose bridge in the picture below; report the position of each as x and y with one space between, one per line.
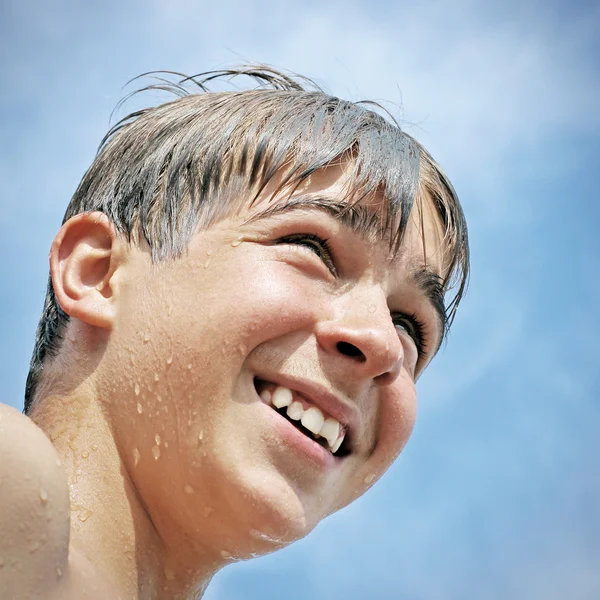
362 330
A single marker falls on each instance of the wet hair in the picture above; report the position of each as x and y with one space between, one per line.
162 172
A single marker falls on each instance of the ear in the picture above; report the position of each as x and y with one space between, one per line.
83 258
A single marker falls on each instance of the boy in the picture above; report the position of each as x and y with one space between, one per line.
243 293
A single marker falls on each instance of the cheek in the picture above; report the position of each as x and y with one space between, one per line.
260 301
397 420
195 328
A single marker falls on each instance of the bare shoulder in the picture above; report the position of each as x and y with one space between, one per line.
34 509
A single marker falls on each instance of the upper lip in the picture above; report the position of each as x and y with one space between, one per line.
320 396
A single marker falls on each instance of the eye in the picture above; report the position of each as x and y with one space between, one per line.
314 244
415 328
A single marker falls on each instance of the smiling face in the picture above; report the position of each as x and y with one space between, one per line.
283 303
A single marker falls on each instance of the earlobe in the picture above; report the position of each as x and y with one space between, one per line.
83 258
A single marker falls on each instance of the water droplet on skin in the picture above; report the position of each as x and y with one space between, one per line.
169 309
140 408
190 366
207 263
84 514
237 242
146 338
188 489
372 308
58 572
94 447
43 496
225 554
136 457
58 462
200 436
166 444
157 439
369 478
156 452
85 454
136 389
169 361
155 376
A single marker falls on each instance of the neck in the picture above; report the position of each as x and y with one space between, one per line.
110 527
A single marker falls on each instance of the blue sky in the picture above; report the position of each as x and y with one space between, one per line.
497 495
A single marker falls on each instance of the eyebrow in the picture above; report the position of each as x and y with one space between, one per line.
368 225
358 218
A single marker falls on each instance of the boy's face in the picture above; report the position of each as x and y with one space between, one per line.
256 303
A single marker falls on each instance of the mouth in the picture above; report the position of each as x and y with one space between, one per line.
308 418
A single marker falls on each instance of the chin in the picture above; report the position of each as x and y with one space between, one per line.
275 515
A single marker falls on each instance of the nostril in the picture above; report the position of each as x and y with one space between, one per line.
350 350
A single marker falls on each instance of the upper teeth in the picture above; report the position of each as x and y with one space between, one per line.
311 417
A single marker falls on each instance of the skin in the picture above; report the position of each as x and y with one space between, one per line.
173 464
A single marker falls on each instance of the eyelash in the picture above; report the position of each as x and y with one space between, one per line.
316 244
416 329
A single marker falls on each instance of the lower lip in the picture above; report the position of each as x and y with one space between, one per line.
295 439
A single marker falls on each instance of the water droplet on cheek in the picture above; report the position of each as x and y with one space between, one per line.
85 454
157 439
146 337
43 496
84 514
155 376
156 452
136 389
136 457
237 242
140 408
370 478
207 263
200 436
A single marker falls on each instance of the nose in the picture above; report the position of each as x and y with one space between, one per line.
362 333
